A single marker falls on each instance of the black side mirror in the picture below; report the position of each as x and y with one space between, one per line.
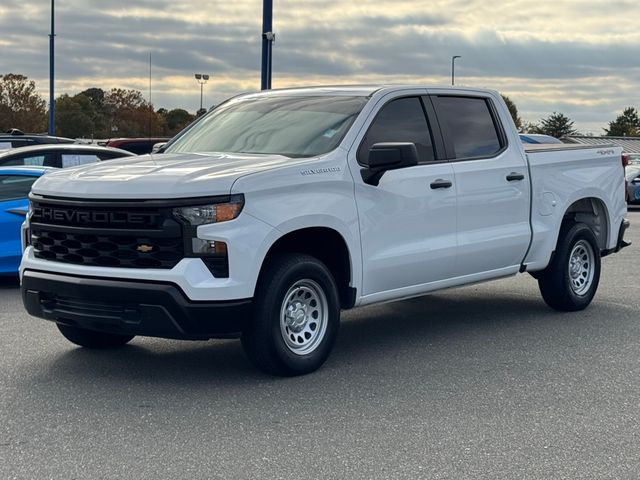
388 156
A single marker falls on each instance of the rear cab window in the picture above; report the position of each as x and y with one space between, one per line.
470 127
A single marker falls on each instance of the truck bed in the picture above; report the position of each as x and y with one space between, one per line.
554 147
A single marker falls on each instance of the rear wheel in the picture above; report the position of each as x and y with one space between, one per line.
93 339
296 316
571 279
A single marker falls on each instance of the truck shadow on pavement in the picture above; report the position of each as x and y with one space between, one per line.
369 336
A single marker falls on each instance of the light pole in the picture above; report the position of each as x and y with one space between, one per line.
453 69
52 103
202 79
268 37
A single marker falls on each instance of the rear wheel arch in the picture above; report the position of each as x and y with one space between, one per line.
591 211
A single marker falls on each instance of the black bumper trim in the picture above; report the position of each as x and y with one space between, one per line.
147 308
621 243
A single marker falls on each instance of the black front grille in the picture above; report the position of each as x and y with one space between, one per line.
106 250
106 236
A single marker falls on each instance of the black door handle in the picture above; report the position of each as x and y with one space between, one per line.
440 183
515 176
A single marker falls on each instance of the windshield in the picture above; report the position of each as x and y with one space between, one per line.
293 126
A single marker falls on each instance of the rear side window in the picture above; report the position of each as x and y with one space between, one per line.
468 126
30 160
401 120
15 186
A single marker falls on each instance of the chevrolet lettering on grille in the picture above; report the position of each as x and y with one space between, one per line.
79 216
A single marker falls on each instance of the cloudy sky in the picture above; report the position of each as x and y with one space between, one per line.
579 57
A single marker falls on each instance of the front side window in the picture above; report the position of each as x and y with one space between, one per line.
468 127
402 120
295 126
15 186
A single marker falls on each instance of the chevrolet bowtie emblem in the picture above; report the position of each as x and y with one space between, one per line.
144 248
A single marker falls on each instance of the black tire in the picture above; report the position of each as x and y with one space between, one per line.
268 342
93 339
570 290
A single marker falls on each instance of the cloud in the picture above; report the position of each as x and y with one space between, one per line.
574 56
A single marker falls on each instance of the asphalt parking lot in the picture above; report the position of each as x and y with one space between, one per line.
479 382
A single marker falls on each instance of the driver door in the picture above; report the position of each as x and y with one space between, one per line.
408 221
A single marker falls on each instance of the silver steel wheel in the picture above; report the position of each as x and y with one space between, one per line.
304 316
581 267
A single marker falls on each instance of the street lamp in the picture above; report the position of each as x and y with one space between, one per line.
453 69
202 79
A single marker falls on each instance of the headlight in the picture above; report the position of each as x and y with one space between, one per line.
213 213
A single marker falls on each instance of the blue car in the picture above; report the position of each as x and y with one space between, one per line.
15 185
537 138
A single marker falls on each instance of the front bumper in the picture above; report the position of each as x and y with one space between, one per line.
148 308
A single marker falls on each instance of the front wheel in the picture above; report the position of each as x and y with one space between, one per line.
571 279
296 316
93 339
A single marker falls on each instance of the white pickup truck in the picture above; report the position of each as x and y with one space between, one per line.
278 209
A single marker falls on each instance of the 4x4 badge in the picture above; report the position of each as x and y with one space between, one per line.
144 248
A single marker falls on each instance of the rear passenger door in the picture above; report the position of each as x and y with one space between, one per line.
492 184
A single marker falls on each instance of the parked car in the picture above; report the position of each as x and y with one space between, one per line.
139 146
280 209
14 138
59 155
537 138
633 158
15 184
632 174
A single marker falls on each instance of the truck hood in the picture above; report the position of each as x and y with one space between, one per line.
157 176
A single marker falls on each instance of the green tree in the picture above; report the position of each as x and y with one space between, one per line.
128 114
76 117
530 127
557 125
96 95
20 105
513 110
625 125
98 114
176 120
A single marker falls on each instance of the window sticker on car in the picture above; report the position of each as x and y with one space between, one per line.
5 145
76 160
34 161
